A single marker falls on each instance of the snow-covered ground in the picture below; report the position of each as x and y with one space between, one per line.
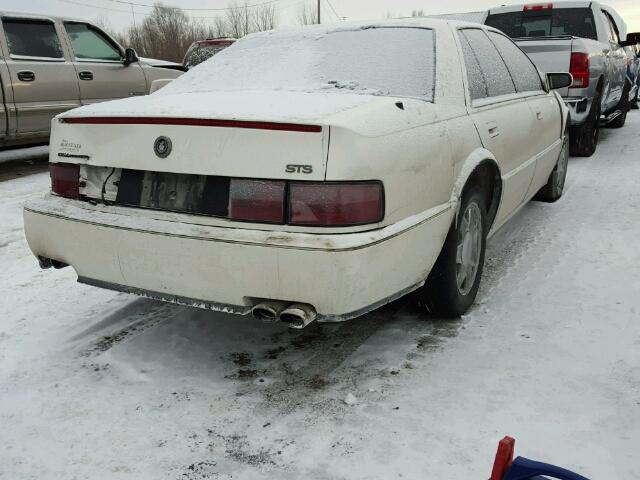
95 384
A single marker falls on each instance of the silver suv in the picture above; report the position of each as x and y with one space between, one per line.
49 65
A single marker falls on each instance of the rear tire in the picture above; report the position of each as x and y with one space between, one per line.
623 105
453 283
552 191
584 138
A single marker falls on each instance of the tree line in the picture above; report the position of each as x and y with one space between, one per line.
167 32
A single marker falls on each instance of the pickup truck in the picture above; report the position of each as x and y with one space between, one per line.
587 40
49 65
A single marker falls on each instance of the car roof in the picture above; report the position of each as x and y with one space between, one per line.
409 22
519 7
37 16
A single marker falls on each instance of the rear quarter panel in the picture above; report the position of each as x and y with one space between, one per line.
414 163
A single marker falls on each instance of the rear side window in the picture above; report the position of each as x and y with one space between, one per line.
89 43
548 22
477 83
612 30
480 54
525 75
32 38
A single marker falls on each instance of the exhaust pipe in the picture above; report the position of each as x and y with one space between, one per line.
269 311
298 315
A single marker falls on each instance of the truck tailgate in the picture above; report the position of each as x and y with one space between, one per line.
549 54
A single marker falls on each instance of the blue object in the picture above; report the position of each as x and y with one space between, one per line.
525 469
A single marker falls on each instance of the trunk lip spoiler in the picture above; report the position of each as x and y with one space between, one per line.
195 122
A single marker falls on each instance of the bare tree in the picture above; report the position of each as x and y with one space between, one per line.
418 13
265 17
167 32
103 22
307 15
238 20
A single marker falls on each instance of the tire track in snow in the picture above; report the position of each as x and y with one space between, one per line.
139 316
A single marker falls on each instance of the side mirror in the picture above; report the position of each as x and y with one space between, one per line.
632 39
130 56
559 80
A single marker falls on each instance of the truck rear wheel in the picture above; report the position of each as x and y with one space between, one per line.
584 138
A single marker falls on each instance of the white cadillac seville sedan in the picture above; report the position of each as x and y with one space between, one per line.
311 174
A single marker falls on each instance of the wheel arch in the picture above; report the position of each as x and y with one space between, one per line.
480 169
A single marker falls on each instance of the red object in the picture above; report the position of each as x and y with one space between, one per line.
579 68
538 7
504 458
65 179
199 122
335 204
257 200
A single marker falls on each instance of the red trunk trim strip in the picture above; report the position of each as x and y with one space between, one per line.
199 122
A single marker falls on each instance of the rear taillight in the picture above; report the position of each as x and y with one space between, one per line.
538 7
257 200
65 179
579 68
335 204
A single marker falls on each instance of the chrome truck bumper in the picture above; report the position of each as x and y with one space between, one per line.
579 108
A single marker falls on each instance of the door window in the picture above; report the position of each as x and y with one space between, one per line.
32 38
612 30
524 73
480 54
89 43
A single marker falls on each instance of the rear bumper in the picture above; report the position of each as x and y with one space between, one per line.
579 108
231 269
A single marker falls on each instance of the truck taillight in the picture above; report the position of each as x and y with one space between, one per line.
257 200
65 179
579 68
335 204
538 7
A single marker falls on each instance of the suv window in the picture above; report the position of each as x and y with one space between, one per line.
492 68
89 43
553 22
32 38
524 73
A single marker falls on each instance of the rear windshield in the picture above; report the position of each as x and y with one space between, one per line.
378 61
199 53
577 22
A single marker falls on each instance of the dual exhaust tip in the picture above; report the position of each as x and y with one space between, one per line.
295 315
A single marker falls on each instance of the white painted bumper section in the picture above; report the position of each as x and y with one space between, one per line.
341 275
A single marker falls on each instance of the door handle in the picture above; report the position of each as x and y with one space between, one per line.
493 129
85 75
26 76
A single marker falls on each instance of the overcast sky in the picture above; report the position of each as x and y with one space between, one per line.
119 14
